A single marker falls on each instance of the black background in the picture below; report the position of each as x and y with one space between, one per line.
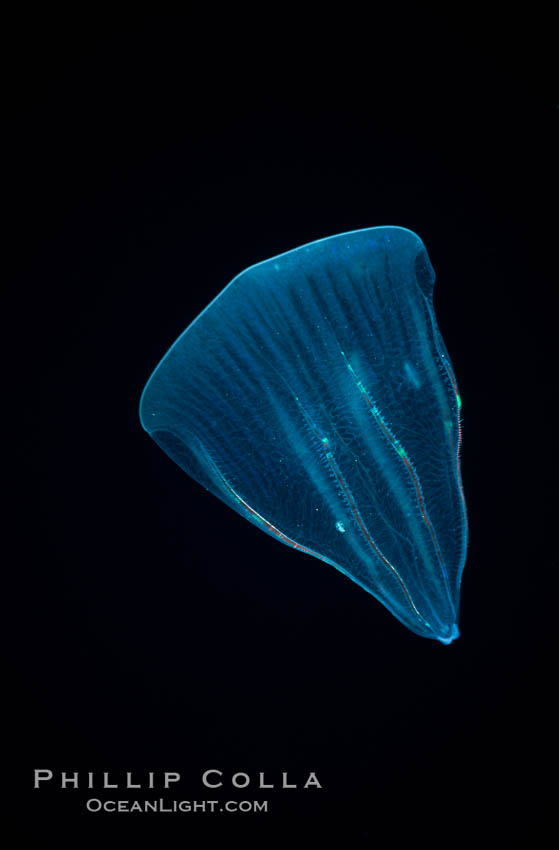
151 160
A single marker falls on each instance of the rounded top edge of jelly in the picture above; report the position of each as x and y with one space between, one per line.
385 234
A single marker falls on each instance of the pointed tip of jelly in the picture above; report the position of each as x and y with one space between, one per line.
453 634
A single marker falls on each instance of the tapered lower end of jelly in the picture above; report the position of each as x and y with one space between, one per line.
452 635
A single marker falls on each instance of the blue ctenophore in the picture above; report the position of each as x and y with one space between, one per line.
315 396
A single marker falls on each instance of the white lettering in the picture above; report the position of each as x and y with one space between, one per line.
42 776
285 782
69 780
129 783
106 783
237 782
209 784
312 780
262 783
